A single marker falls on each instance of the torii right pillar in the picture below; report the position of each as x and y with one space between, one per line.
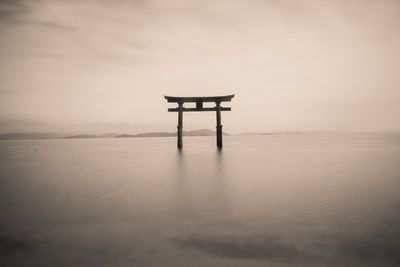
219 126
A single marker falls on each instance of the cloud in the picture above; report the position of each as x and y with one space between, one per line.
19 12
47 24
11 8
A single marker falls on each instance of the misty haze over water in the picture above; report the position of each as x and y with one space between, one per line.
282 200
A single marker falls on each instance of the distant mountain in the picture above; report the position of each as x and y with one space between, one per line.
107 135
79 136
272 133
200 132
82 136
28 135
150 134
281 133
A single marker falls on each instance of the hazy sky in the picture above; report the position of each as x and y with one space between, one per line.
291 64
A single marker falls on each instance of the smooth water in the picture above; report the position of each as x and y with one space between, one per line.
278 200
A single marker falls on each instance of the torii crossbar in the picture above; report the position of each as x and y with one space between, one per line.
199 100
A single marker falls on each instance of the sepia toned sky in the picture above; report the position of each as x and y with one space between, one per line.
292 65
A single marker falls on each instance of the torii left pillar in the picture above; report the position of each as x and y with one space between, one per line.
180 120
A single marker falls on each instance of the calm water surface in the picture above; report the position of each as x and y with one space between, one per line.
288 200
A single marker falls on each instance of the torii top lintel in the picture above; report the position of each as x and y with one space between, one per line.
199 103
177 99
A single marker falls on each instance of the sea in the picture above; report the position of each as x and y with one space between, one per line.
312 199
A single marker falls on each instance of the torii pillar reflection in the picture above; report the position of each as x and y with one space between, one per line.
199 107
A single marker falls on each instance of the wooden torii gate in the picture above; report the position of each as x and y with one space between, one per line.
199 100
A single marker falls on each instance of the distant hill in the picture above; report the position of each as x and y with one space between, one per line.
78 136
28 135
200 132
82 136
272 133
150 134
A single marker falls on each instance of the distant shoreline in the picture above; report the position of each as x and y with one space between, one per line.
39 136
200 132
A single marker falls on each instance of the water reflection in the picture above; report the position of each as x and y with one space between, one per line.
200 183
220 182
181 195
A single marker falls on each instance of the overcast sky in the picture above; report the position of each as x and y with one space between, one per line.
292 65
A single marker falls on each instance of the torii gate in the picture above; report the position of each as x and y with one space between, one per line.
199 100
